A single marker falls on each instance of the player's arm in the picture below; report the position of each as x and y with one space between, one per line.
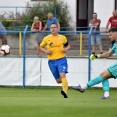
109 53
42 45
104 55
66 46
48 52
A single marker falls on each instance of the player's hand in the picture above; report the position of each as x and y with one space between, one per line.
48 52
93 56
64 50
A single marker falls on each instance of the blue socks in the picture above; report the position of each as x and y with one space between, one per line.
95 81
105 84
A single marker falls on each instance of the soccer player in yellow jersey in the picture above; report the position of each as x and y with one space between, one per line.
56 47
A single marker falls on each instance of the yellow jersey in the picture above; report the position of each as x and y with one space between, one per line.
55 44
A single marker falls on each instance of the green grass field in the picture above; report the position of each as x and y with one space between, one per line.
48 102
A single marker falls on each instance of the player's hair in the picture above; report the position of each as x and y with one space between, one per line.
55 24
114 29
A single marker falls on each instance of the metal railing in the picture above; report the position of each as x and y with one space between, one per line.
25 31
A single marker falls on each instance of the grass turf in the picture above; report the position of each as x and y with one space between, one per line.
48 102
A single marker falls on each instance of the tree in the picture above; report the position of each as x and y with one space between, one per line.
58 7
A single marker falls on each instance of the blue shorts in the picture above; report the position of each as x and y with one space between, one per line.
58 66
95 39
113 70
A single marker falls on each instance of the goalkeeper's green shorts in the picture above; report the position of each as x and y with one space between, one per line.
113 70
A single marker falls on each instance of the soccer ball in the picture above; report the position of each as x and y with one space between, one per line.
5 49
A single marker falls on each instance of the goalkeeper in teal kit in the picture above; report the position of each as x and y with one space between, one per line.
110 72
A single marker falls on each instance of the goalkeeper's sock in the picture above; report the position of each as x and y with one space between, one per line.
64 84
105 84
84 86
95 81
106 93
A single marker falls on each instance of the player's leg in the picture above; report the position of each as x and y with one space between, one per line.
4 39
61 78
104 75
105 84
113 71
93 43
110 72
63 69
64 84
99 43
54 71
55 67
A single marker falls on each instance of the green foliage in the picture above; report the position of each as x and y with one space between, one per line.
58 7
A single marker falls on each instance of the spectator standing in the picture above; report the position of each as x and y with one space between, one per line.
3 35
112 21
37 26
95 37
51 20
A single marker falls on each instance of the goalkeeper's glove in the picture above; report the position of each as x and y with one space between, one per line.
93 56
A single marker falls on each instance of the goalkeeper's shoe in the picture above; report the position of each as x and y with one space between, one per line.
64 94
103 97
78 88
